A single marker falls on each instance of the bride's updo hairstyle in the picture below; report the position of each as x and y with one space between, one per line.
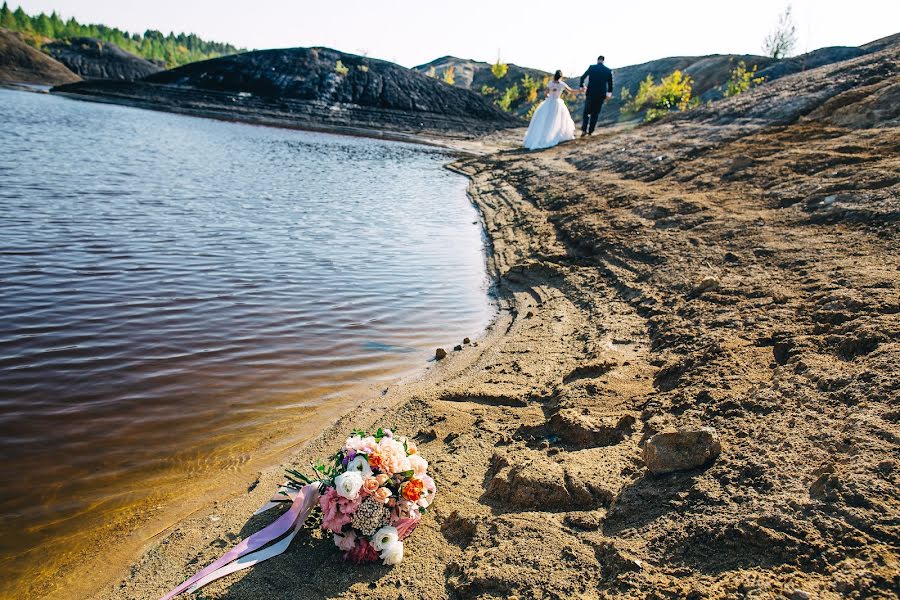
557 76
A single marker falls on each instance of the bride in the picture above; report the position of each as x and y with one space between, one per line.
551 122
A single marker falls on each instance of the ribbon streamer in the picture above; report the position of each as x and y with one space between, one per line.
245 554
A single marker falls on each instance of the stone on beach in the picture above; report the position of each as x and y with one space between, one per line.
681 450
440 353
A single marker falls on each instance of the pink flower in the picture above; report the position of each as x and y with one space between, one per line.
333 519
364 445
370 485
345 542
363 552
430 489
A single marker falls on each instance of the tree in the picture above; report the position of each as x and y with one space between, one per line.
23 23
782 40
6 17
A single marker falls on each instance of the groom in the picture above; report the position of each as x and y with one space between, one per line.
599 88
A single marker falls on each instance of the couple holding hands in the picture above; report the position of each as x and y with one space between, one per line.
551 122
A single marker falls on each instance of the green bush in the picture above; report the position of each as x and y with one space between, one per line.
509 96
672 93
340 69
531 87
487 90
499 69
741 79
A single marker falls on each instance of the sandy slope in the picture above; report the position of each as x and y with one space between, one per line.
736 268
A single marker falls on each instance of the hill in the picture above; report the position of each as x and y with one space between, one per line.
477 76
166 49
308 88
709 75
91 58
20 63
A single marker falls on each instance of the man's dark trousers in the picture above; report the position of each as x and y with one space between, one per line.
592 106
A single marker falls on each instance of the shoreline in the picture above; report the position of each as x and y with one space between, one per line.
460 143
133 542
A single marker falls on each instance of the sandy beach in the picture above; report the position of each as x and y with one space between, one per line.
733 268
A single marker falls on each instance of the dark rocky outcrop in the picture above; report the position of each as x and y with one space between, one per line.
95 59
810 60
308 88
20 63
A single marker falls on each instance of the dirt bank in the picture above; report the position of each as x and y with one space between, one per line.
736 268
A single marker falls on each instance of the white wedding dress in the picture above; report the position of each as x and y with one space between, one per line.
551 122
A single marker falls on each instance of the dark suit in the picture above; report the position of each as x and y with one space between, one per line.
600 83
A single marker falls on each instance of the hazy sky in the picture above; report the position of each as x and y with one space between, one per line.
542 34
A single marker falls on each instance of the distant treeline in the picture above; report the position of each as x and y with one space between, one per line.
171 49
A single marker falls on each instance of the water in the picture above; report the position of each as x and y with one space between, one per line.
179 296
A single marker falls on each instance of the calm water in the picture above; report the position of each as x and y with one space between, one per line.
176 294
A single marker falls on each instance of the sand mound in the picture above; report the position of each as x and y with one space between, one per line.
20 63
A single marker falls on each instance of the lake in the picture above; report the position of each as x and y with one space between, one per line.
182 299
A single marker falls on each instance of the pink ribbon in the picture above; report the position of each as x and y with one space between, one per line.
291 520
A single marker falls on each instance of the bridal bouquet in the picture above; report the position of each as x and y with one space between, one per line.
372 493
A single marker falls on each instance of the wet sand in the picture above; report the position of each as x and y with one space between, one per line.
733 268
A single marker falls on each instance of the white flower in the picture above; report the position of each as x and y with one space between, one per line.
360 464
348 484
418 464
384 537
346 541
393 554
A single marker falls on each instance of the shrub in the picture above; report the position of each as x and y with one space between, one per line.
509 96
448 75
741 80
363 68
431 72
672 93
499 69
487 90
340 69
531 87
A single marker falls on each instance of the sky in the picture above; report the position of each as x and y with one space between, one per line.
533 33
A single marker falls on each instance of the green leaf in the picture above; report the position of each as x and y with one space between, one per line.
408 474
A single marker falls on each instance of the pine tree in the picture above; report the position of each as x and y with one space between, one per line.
23 23
6 17
43 26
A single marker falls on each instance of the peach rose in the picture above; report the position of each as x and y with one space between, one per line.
382 478
382 494
370 484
